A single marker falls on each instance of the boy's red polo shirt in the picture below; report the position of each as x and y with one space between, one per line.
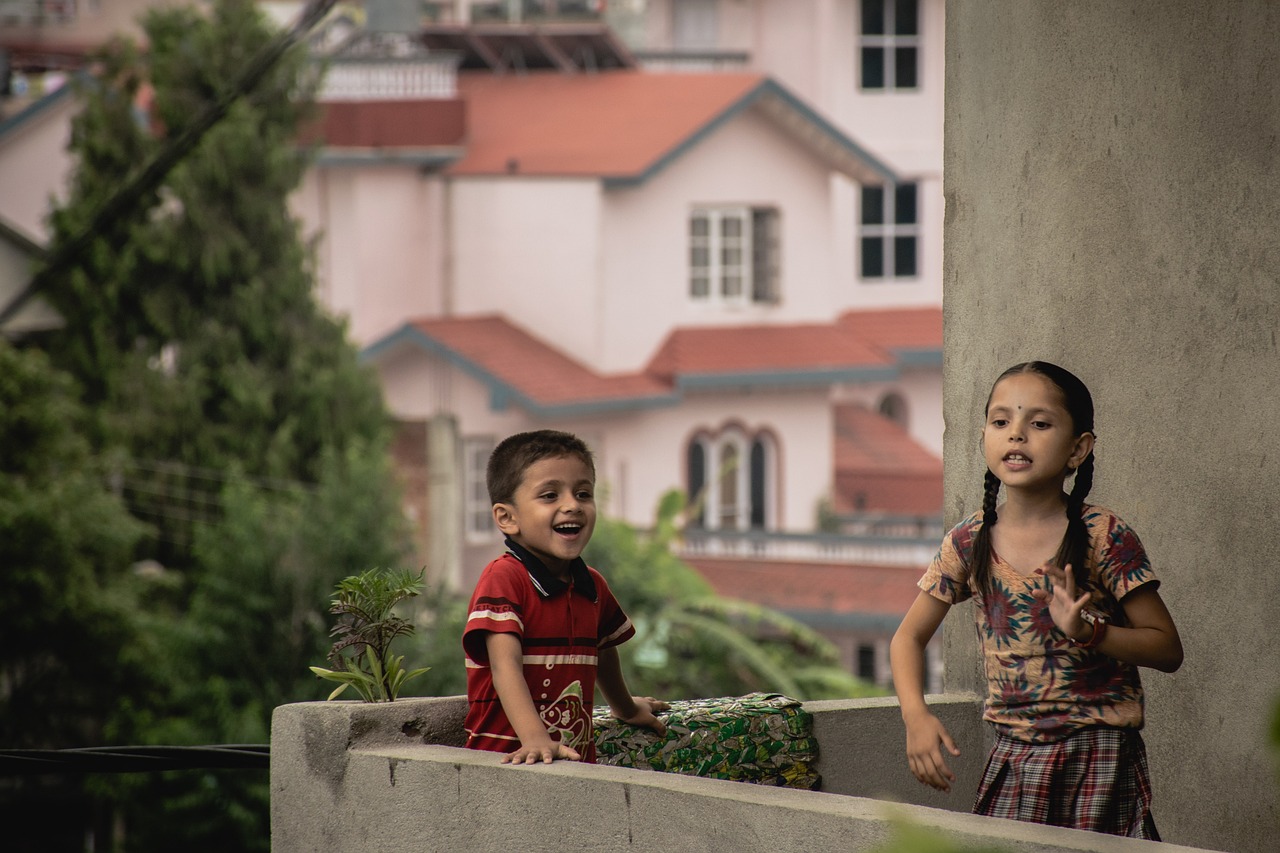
561 626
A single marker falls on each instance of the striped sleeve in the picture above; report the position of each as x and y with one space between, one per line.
615 628
496 607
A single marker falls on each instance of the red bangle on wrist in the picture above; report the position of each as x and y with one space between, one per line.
1099 631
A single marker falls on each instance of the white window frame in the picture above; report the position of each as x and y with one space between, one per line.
695 25
726 268
887 231
890 42
477 510
717 513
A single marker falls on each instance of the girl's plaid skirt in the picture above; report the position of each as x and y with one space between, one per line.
1095 779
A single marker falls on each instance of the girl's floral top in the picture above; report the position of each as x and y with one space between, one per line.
1040 687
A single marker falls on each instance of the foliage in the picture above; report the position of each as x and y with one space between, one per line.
366 629
65 544
908 837
694 644
241 428
440 618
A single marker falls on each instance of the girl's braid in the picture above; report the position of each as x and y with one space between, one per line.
981 558
1075 545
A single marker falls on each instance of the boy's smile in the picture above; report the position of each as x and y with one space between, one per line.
553 512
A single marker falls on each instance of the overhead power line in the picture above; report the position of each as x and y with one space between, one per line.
153 172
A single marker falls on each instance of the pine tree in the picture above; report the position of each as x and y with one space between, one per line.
248 438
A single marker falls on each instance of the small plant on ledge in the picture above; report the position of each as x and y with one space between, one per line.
361 657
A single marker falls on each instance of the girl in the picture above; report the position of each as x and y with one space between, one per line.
1068 609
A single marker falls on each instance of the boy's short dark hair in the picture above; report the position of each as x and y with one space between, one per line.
514 454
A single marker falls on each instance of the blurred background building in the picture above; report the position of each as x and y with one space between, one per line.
704 235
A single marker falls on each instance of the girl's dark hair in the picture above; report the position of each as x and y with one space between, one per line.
515 453
1074 549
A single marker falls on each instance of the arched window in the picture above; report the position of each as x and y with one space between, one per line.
729 491
894 407
696 473
731 480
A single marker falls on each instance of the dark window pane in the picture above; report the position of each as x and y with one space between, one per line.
873 68
904 68
698 226
699 287
757 485
873 17
872 257
866 662
764 254
872 205
905 17
904 204
696 470
904 256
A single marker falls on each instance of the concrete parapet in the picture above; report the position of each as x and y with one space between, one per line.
350 775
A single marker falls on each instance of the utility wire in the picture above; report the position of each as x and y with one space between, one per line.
154 171
133 759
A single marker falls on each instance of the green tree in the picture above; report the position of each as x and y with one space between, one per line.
692 643
65 544
69 595
241 427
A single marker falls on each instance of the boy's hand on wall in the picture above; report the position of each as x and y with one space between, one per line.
546 753
645 715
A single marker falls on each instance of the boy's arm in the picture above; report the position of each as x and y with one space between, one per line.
506 662
636 710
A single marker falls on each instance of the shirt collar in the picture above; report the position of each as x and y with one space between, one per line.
548 584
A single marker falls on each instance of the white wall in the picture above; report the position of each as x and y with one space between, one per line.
34 165
748 161
529 248
381 257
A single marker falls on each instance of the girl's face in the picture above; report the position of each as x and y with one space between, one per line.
1028 439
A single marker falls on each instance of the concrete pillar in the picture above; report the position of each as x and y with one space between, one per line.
1112 198
444 537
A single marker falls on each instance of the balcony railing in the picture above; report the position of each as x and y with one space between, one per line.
692 60
392 79
914 549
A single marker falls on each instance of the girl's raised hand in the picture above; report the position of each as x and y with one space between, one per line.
1065 606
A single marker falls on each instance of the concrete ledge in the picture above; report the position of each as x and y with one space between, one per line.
346 773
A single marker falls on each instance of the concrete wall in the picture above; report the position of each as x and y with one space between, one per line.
343 773
1112 189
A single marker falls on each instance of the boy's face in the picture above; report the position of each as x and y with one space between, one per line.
553 512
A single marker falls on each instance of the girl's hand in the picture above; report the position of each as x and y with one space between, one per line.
1065 606
926 738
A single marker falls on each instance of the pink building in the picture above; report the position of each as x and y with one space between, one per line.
707 239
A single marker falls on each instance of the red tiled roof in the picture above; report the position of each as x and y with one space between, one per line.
811 347
814 587
879 467
615 123
530 366
897 328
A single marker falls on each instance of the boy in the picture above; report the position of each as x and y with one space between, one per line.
543 626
